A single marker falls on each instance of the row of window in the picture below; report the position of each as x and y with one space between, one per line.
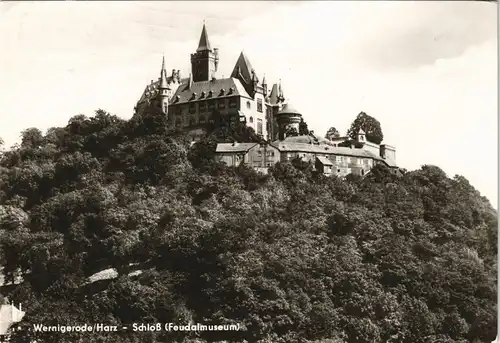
338 159
192 121
205 106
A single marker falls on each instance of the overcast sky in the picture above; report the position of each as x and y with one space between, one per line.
426 70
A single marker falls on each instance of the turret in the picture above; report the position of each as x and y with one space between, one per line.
163 89
281 95
288 120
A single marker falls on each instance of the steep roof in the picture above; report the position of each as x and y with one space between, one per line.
163 78
185 93
243 68
273 96
204 43
234 147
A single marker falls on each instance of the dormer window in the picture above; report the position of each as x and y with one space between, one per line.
222 92
210 93
193 96
202 94
231 90
177 98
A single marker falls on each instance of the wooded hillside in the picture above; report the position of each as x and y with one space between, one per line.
292 256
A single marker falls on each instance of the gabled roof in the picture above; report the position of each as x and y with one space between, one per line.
243 68
204 43
185 93
234 147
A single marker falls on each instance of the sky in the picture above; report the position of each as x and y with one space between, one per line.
426 70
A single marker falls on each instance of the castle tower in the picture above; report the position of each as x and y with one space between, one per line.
163 89
288 118
205 60
361 136
264 87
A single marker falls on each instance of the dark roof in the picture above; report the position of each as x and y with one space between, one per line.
273 96
234 147
243 68
324 161
185 93
204 43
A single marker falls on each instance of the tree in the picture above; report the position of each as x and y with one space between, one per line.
370 126
291 131
332 133
31 138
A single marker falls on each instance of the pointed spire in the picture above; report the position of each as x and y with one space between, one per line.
243 68
255 79
273 97
281 96
190 81
163 77
264 82
204 43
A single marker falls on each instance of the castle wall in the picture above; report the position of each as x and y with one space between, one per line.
388 151
369 146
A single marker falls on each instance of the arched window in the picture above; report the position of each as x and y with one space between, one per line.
248 104
251 120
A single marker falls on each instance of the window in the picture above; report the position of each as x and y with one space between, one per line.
222 104
211 105
259 126
248 104
338 159
203 106
202 119
251 120
192 108
259 105
233 103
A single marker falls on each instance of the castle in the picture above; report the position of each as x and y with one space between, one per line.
190 103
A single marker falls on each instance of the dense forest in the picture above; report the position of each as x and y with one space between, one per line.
292 256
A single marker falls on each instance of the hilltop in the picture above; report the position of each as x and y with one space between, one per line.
292 256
